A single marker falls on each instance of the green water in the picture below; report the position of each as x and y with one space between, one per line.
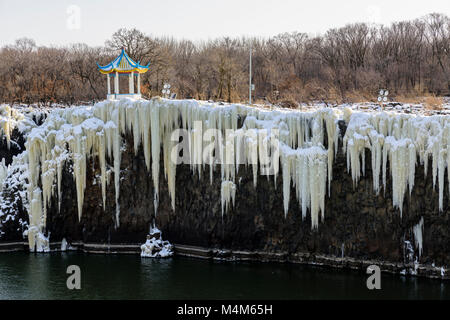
43 276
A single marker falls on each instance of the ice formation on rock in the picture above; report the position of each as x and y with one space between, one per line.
9 118
401 140
82 134
227 138
3 172
22 119
13 191
63 244
36 238
228 194
418 239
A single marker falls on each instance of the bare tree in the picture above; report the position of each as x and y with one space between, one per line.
348 63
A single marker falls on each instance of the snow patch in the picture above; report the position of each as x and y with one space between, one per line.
155 247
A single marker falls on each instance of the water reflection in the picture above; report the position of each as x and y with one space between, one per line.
43 276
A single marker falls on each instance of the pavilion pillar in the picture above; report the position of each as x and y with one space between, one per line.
116 83
131 83
139 83
109 83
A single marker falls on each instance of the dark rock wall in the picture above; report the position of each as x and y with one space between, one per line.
12 227
17 145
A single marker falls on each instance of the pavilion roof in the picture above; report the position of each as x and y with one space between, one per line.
123 64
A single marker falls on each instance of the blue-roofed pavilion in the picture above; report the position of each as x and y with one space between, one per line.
123 65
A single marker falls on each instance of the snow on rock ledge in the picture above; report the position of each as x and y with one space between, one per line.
155 247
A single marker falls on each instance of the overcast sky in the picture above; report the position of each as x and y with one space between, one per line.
60 22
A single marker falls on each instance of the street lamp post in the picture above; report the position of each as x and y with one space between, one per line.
250 85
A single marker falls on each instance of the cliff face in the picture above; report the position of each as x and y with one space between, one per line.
13 222
358 223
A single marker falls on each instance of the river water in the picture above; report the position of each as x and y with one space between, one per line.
43 276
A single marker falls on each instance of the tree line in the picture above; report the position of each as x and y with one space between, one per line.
410 58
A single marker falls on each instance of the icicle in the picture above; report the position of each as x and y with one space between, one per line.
441 171
3 172
322 178
304 174
102 160
228 192
240 148
210 140
170 167
317 163
400 154
385 155
411 166
156 149
36 222
286 171
78 146
252 153
333 134
117 139
418 238
144 127
47 186
275 154
134 115
434 150
197 147
377 141
263 151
